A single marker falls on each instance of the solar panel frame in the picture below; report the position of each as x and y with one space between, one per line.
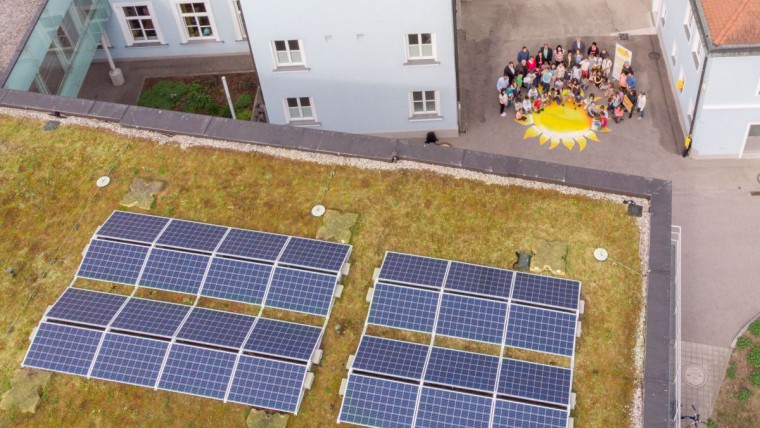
191 235
283 339
118 359
535 381
62 348
471 318
130 259
86 307
267 383
390 357
215 328
314 254
183 372
429 272
301 291
462 369
392 306
253 245
479 280
358 406
172 270
549 291
135 227
151 317
452 409
508 413
526 330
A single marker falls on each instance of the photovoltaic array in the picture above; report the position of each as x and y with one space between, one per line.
394 383
252 360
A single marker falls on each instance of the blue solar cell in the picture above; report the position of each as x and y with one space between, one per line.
252 245
216 328
391 357
63 348
130 359
150 317
192 236
236 280
415 270
472 318
519 415
403 307
309 253
462 369
547 290
534 381
113 261
301 291
132 227
261 382
541 330
86 307
378 402
283 339
197 371
481 280
174 271
442 408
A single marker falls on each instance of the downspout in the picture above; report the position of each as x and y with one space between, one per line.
687 149
456 62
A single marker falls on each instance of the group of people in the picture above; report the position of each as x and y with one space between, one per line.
566 76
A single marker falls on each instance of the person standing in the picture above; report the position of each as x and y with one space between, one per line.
524 54
559 55
578 45
502 83
633 98
593 49
503 102
631 81
510 71
546 51
641 104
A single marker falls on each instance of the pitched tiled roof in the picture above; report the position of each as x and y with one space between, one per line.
733 22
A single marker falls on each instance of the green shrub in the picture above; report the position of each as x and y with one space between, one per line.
196 101
753 357
754 328
744 394
743 342
244 114
243 102
731 371
754 378
711 423
163 95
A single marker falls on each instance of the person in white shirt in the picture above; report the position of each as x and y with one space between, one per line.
641 104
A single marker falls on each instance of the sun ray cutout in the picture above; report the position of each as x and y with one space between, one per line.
563 124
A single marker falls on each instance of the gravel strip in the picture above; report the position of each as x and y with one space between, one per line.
14 22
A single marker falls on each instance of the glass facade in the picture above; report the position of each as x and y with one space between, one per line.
60 48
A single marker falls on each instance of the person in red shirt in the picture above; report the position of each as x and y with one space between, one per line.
531 64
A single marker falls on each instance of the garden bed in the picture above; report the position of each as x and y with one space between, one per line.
738 402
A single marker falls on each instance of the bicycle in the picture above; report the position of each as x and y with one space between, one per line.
695 419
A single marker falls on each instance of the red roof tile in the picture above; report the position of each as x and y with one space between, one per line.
733 22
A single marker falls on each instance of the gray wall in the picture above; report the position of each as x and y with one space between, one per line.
355 52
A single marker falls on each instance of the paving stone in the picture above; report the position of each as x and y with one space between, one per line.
24 393
713 362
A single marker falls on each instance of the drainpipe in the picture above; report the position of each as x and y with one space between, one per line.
687 149
117 77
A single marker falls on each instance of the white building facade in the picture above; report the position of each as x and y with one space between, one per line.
384 68
712 52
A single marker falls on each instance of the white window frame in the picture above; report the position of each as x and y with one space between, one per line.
688 21
690 112
697 51
433 44
674 54
663 15
184 35
302 119
122 18
757 92
426 114
291 64
236 9
681 76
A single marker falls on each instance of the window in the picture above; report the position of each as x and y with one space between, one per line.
300 109
195 20
288 53
690 114
137 23
663 15
688 20
420 46
237 16
697 51
424 103
674 53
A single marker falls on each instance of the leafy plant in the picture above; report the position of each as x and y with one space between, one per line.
163 95
754 328
753 357
743 342
754 378
196 101
243 102
744 394
244 114
731 371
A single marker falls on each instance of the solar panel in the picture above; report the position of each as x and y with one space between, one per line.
520 415
301 291
132 227
216 328
547 290
261 382
150 317
378 402
472 318
197 371
192 236
534 381
541 330
63 348
462 369
414 270
130 359
112 261
252 245
481 280
86 307
403 307
442 408
236 280
283 339
391 357
310 253
174 271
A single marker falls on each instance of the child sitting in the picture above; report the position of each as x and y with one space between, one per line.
618 114
526 105
519 115
533 93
